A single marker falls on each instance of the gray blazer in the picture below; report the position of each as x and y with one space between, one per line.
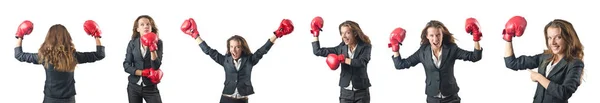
134 61
357 70
564 77
438 79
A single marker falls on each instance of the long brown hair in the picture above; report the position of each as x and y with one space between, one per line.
58 50
135 26
356 31
448 37
573 48
242 41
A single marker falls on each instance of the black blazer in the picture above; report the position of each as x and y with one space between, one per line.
564 77
60 85
237 79
357 70
134 61
438 79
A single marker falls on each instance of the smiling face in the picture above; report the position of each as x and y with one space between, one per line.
555 40
347 35
435 37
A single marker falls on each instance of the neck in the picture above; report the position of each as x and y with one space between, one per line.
352 46
436 50
557 57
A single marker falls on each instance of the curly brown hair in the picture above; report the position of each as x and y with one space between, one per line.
58 50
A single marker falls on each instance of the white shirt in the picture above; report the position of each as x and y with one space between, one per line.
437 61
350 55
236 94
143 54
549 68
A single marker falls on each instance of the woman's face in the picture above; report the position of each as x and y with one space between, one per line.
144 26
235 48
555 40
347 35
435 36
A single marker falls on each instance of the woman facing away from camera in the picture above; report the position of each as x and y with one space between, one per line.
59 58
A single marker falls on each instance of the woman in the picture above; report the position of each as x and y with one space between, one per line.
143 60
354 53
438 53
238 62
560 67
59 58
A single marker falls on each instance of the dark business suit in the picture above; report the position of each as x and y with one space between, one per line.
439 79
134 61
59 86
564 77
356 71
237 79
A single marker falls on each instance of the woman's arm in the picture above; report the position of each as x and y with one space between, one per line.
214 54
157 55
23 56
128 63
411 61
473 56
323 51
521 63
88 57
258 54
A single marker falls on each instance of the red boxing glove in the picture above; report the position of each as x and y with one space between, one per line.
514 27
91 28
154 75
25 28
396 38
332 61
150 40
472 27
189 27
316 26
285 27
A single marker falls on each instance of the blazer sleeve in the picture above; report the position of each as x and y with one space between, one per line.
26 57
324 51
260 52
88 57
159 53
128 63
571 82
214 54
472 56
363 59
411 61
523 62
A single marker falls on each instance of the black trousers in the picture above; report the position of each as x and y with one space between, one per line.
55 100
225 99
357 96
136 93
450 99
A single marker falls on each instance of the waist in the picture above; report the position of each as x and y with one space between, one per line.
235 96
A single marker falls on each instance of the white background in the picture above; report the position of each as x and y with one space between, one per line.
290 72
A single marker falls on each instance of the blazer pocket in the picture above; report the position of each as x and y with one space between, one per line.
428 83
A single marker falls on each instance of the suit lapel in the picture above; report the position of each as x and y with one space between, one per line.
560 65
444 55
357 50
345 50
429 56
542 68
242 61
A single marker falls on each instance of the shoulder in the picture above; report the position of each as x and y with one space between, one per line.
576 63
